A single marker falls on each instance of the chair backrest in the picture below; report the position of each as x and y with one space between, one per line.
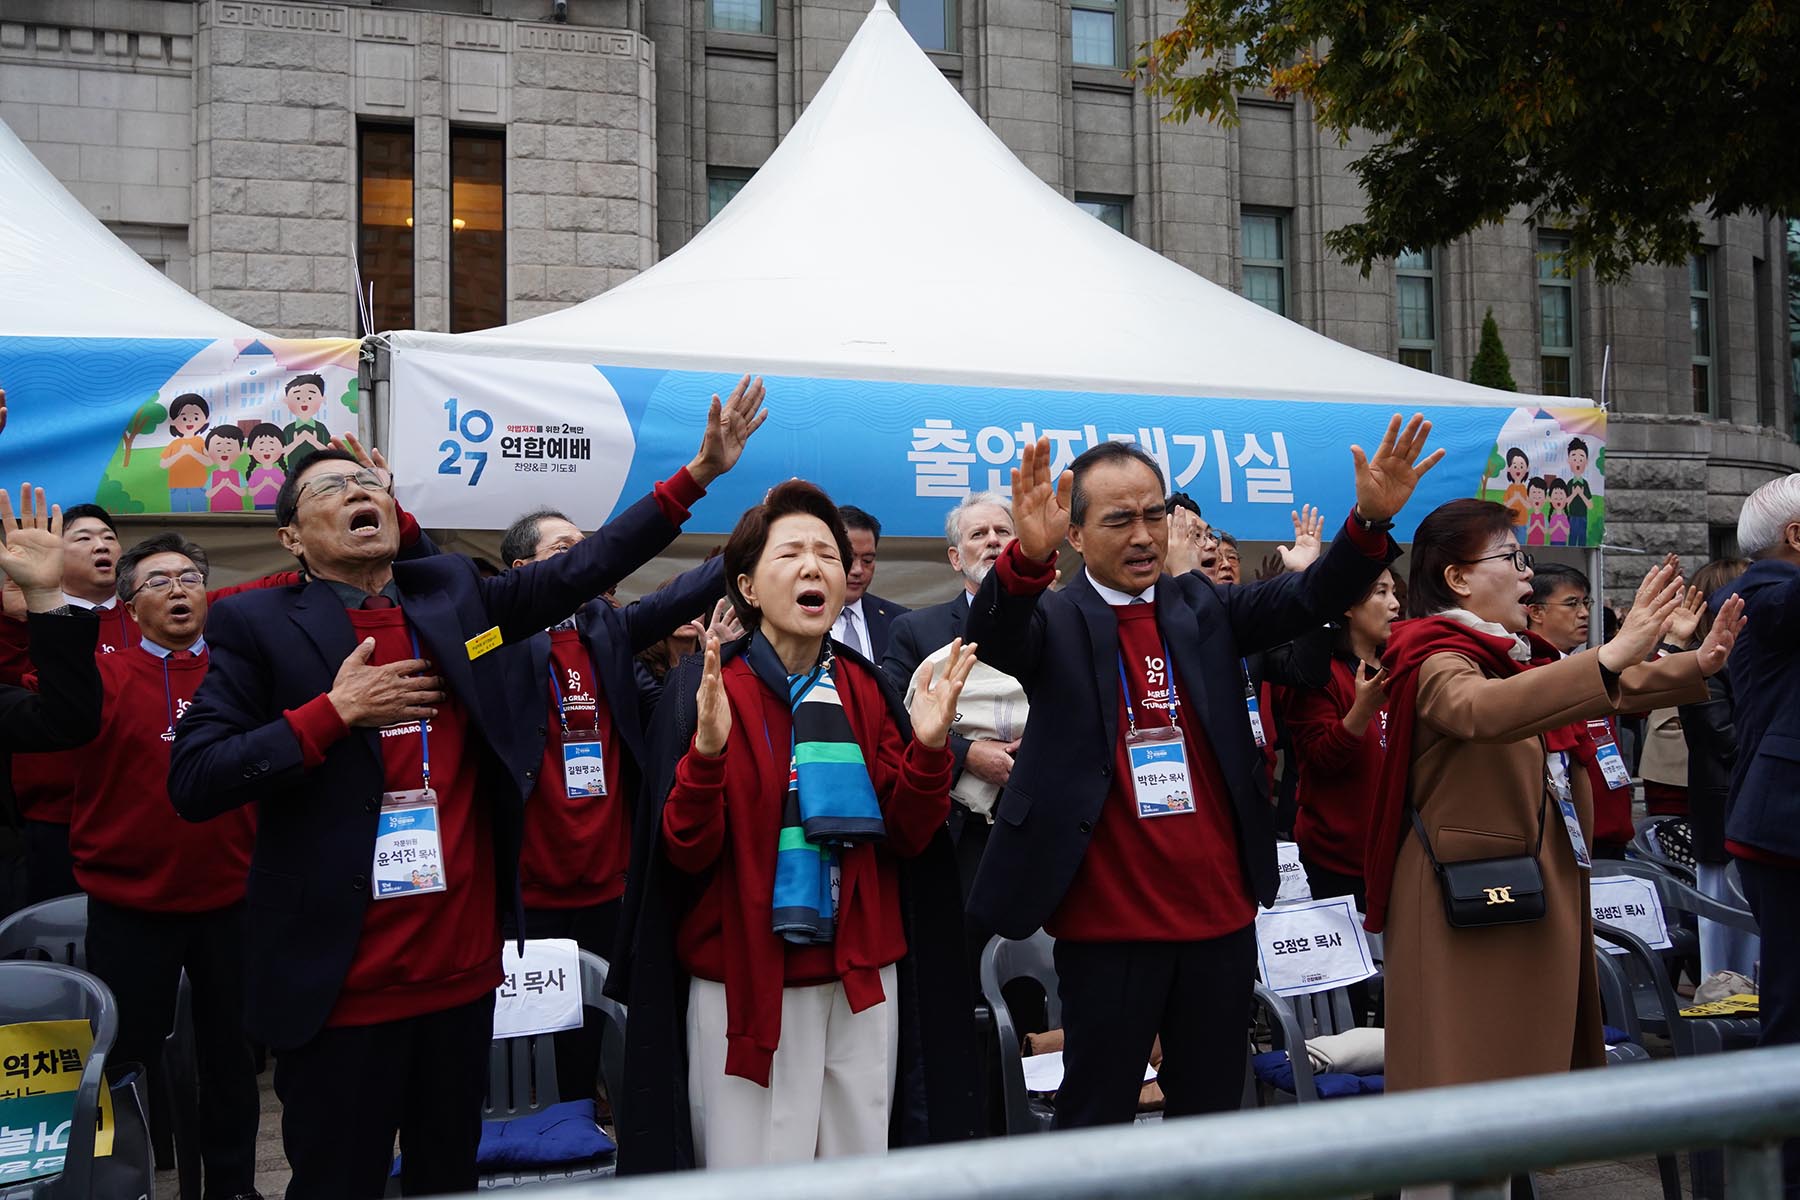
1677 896
1645 847
1320 1014
51 930
1641 973
1004 960
39 991
522 1071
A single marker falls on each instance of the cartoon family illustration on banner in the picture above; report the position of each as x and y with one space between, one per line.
1548 467
222 433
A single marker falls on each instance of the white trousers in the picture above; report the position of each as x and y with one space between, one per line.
830 1088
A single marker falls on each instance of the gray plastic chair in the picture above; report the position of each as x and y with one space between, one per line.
1644 847
522 1076
56 931
1003 961
38 991
1617 1010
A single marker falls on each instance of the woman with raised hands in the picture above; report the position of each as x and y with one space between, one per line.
1490 967
794 902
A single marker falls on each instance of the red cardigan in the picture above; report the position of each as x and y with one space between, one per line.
1340 772
724 814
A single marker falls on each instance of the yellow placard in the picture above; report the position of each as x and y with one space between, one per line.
1740 1005
40 1071
481 643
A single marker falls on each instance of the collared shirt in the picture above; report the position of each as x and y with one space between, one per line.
841 629
152 648
353 596
1115 597
77 602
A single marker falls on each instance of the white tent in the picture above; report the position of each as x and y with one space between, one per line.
926 305
892 235
64 274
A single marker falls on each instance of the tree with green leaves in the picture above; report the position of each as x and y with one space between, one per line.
1614 121
1491 367
148 416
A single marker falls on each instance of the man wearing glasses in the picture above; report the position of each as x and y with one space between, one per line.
165 896
1132 828
1558 613
377 716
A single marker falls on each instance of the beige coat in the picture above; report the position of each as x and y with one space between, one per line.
1466 1005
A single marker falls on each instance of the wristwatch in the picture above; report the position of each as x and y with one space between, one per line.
1366 525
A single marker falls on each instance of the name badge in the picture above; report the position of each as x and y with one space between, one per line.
1606 751
1159 772
584 769
481 643
1293 875
1256 726
409 852
1558 767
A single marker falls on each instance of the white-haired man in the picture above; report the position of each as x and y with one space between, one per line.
1763 829
992 715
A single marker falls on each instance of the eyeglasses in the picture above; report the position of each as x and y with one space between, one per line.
369 479
1153 515
162 583
1521 561
1575 602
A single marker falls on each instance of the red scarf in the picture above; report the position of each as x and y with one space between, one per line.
1411 643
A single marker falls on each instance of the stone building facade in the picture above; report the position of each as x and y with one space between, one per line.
230 142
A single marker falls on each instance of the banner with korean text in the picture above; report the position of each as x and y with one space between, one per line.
475 441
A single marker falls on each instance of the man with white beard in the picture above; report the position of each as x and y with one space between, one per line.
991 715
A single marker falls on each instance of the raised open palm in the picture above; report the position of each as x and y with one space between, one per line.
1385 482
714 724
935 696
32 555
1040 504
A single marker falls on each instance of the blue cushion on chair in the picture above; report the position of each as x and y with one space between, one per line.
1274 1069
561 1133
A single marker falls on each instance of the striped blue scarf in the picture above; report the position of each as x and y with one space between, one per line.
830 802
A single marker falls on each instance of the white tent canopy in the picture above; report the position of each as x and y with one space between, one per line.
64 274
892 235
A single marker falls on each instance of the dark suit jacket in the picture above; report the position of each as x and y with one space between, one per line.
1064 646
1765 675
880 614
915 636
279 648
612 637
64 710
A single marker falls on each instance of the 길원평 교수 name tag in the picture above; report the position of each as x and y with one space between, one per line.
1159 772
409 852
584 768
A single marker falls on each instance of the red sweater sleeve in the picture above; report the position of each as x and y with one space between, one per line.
1370 542
1316 728
693 822
677 494
15 651
278 579
1021 575
318 727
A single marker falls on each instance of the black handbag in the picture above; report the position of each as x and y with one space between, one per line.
1481 892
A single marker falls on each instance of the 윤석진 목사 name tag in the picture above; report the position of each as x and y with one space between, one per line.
409 851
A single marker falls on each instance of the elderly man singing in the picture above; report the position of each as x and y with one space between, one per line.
377 717
1132 827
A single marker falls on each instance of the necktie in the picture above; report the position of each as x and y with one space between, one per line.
377 602
181 655
1138 600
854 632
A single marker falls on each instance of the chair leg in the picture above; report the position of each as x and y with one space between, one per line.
1670 1171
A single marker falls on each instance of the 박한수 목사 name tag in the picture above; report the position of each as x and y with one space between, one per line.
1159 772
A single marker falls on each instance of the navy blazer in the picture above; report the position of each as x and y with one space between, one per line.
613 636
1764 809
1064 648
881 615
277 649
914 637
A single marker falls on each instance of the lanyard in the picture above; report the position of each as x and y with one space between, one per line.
1174 698
1249 687
562 711
424 725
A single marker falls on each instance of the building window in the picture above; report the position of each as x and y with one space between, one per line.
932 23
1096 32
1556 315
1700 324
722 183
1112 211
1265 240
741 16
477 229
385 223
1415 294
